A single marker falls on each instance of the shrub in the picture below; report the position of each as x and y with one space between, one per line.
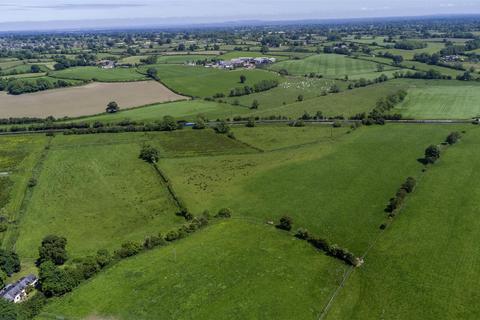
53 249
222 127
432 154
172 236
9 262
149 154
453 138
409 184
103 258
128 249
302 234
250 122
285 223
224 213
337 124
154 241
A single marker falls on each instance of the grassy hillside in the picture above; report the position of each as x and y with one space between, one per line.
425 265
234 270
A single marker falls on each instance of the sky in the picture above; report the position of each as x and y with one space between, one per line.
225 10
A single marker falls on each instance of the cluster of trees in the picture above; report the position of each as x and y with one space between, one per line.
380 113
397 59
362 82
9 264
263 85
20 86
410 45
331 250
396 202
84 59
429 75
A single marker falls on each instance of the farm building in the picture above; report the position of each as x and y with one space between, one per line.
107 64
242 62
17 292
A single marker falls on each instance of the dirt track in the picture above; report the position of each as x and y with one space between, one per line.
84 100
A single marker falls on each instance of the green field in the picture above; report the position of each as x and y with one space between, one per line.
337 187
426 264
441 100
346 103
182 110
231 270
100 185
328 65
99 74
288 92
205 82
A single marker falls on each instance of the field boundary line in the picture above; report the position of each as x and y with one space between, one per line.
166 182
10 239
419 179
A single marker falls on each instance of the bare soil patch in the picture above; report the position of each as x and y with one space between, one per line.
84 100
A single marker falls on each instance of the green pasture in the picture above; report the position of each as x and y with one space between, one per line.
97 194
99 74
337 187
230 270
346 103
328 65
181 110
441 100
426 264
288 92
205 82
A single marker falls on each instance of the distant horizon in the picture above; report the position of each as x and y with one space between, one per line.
53 12
179 22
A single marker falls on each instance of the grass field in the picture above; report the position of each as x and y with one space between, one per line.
346 103
432 47
84 100
205 82
288 92
99 74
102 187
231 270
337 187
441 100
425 265
328 65
182 110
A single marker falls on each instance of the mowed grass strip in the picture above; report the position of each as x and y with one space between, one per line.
441 100
97 197
427 263
337 189
330 65
206 82
231 270
99 74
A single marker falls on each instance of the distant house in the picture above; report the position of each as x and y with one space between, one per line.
17 292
